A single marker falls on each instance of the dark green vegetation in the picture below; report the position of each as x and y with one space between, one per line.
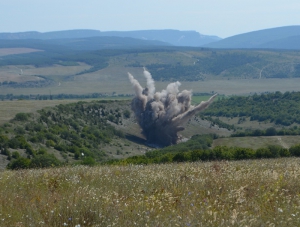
75 131
280 108
198 149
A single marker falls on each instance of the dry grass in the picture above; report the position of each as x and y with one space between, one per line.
114 79
243 193
10 51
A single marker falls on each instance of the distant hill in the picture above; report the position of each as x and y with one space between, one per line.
173 37
276 38
89 43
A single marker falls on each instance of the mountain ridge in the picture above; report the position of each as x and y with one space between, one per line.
274 38
173 37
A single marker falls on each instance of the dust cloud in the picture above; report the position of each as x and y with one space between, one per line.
161 115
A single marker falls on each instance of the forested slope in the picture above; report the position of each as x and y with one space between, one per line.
75 131
280 108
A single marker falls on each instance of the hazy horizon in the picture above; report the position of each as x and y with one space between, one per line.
216 18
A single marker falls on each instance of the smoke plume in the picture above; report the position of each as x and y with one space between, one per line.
162 115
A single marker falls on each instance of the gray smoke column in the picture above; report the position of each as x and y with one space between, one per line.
162 115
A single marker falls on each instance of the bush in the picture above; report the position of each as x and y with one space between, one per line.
89 161
179 157
20 163
295 150
263 153
50 143
275 150
126 113
15 155
44 160
21 117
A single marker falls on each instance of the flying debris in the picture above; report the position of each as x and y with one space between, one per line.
161 115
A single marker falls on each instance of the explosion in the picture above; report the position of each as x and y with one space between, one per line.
161 115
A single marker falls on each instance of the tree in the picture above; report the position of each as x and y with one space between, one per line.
271 131
126 113
44 160
20 163
21 117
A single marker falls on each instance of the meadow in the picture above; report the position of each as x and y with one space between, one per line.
237 193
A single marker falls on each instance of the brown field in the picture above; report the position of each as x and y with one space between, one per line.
10 51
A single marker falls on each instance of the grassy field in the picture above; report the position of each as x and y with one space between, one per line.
240 193
257 142
114 79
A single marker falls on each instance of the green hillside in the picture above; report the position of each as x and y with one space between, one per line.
78 131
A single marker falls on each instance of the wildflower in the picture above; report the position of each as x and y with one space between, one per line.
65 224
280 210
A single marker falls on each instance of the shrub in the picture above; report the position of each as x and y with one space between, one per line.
21 117
20 163
126 113
179 157
50 143
89 161
44 160
15 155
295 150
263 153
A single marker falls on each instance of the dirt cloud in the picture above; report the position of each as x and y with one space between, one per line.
161 115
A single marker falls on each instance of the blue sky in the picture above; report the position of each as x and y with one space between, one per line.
223 18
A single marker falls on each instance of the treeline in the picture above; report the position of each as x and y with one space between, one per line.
216 154
280 108
295 130
78 130
59 96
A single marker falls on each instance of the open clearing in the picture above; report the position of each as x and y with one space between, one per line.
114 78
10 51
